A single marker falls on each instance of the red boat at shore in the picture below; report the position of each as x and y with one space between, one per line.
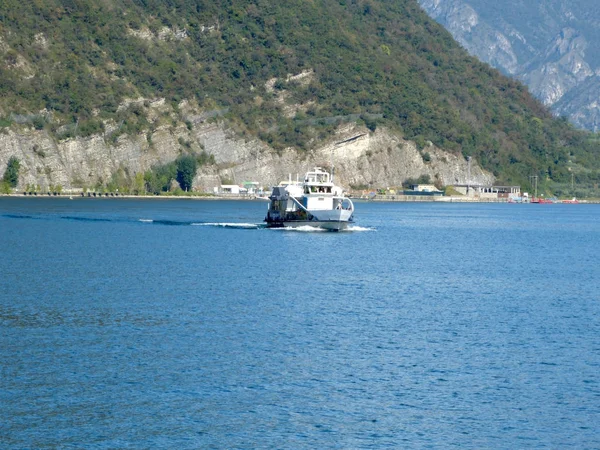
545 200
553 200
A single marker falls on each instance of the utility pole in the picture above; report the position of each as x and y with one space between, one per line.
572 178
535 178
468 174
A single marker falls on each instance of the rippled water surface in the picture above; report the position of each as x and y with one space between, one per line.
184 324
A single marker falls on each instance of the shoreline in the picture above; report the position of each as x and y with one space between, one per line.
211 197
114 196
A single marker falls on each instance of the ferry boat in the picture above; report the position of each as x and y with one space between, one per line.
314 202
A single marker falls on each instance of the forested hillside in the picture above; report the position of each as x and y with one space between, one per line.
69 66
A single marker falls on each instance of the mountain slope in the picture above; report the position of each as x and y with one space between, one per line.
73 67
549 45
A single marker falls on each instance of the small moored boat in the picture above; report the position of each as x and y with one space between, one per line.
315 202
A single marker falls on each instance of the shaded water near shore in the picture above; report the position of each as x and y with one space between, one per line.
186 324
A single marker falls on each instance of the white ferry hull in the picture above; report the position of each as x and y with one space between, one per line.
327 225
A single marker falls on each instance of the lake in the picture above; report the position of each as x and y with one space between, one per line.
159 323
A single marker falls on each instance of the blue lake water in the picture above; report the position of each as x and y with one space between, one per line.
181 324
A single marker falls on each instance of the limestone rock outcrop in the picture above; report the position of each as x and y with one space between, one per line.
360 158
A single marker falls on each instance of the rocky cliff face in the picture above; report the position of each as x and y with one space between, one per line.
549 45
361 158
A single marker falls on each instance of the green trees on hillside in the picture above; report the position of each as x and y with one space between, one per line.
160 177
186 171
10 179
183 170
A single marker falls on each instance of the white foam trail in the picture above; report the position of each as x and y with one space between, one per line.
248 226
357 228
304 228
146 220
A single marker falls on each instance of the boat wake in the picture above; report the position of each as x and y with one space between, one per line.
356 228
236 225
146 221
167 222
302 229
87 219
243 226
311 229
